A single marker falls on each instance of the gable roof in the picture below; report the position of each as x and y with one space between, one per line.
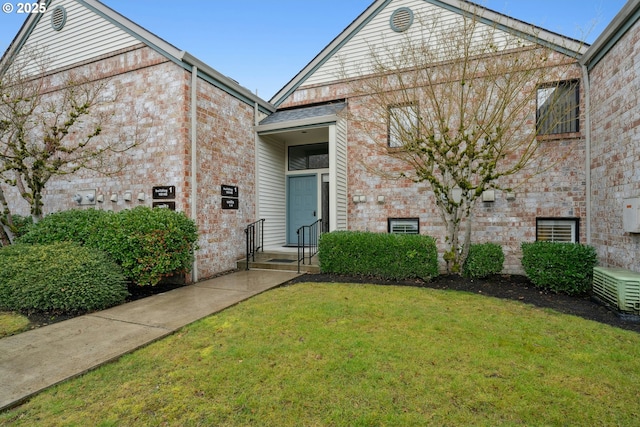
122 33
621 23
562 44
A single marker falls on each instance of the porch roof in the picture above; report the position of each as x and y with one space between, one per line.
304 114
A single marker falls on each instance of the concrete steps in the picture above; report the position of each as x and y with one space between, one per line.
284 260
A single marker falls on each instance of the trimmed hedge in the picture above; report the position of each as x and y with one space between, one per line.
149 244
59 277
74 225
484 259
559 267
387 256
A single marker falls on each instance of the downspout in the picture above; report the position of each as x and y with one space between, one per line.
587 136
256 144
194 160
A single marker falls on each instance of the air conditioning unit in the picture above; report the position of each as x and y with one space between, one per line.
618 287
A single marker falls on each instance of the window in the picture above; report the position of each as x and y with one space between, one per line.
404 225
313 156
557 230
558 108
403 124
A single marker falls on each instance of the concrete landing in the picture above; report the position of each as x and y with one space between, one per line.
35 360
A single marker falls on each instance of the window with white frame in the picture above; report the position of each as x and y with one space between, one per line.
558 108
402 125
404 225
557 230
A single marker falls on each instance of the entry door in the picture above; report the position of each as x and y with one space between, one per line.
302 204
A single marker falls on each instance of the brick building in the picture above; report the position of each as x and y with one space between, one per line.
359 197
197 125
301 156
612 66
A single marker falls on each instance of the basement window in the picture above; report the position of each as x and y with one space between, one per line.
404 225
557 230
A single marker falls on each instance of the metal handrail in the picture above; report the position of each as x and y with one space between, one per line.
254 234
314 232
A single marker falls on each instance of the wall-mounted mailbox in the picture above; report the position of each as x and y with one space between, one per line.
631 215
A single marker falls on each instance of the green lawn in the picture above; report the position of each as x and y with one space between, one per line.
12 323
336 354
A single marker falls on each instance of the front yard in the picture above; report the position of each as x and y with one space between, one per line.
356 354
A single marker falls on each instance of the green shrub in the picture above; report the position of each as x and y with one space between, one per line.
559 267
59 277
21 224
148 243
387 256
484 259
74 225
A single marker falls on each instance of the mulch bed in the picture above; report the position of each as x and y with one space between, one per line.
513 287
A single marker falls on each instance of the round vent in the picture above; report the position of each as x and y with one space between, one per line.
58 18
401 19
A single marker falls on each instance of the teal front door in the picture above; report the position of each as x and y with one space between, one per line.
302 204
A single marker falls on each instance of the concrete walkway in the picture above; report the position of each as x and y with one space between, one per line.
35 360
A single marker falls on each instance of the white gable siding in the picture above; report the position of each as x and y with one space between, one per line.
85 35
377 36
271 190
339 178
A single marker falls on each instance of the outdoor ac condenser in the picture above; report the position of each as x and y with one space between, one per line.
618 287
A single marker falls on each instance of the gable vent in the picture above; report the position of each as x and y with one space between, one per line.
58 18
401 19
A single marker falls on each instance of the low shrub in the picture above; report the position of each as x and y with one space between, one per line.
484 259
559 267
60 277
149 244
387 256
74 225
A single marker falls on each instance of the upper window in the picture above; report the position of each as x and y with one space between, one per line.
557 230
558 108
404 225
313 156
403 124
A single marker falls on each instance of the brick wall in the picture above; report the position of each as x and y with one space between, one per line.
615 165
226 156
558 192
152 103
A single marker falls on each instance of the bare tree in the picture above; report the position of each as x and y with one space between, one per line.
460 106
53 125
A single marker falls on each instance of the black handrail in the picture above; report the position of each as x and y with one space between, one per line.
254 233
312 232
